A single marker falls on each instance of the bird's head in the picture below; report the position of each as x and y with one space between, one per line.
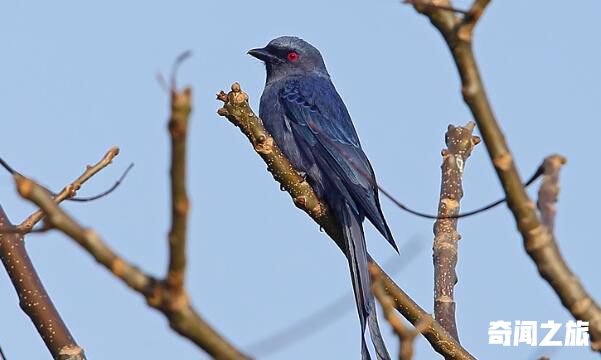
288 55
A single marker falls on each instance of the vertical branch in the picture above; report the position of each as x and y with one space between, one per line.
181 106
460 143
33 298
539 242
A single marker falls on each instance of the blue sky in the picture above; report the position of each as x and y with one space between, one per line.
79 77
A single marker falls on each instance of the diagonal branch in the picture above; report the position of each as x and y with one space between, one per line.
70 190
176 307
169 295
460 143
239 113
539 242
33 298
406 336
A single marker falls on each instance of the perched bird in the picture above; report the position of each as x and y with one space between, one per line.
310 123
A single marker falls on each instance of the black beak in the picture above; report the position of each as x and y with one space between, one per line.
264 55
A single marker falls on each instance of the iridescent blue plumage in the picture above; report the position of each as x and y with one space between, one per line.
310 123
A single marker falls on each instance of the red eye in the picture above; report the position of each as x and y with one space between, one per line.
292 56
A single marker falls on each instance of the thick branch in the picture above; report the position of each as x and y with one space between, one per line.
33 298
239 113
460 143
181 105
70 190
539 242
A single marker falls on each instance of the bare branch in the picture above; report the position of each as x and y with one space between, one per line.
405 335
539 242
460 143
440 5
181 106
70 190
175 306
239 113
469 21
33 298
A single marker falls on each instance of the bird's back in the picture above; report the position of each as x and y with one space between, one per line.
310 123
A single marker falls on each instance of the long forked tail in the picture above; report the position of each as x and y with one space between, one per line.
357 258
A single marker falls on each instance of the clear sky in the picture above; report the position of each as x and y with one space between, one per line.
78 77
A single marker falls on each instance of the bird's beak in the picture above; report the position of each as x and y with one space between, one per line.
263 54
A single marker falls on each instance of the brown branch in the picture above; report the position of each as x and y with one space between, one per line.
239 113
33 298
405 335
175 306
169 295
539 242
460 143
435 5
70 190
181 106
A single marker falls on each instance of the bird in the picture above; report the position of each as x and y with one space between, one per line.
303 112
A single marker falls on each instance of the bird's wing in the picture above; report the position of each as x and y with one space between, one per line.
319 116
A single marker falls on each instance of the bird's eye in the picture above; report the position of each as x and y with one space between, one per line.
292 56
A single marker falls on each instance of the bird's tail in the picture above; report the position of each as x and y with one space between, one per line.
356 253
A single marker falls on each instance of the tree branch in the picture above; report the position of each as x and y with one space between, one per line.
70 190
406 336
33 298
181 106
239 113
539 242
175 306
460 143
169 295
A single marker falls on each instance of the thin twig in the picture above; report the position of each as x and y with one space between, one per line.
70 190
460 143
33 298
239 113
539 242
